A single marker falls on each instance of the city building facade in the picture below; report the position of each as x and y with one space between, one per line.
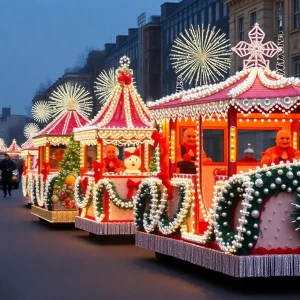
245 13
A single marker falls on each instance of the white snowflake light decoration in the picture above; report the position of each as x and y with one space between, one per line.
31 129
2 143
256 50
105 84
201 55
69 97
41 111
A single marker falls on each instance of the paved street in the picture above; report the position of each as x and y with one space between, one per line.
39 261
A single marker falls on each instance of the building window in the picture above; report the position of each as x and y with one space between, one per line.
241 29
217 11
225 10
203 16
209 14
296 63
296 14
252 19
195 20
279 22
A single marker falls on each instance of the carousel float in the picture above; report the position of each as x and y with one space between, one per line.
210 207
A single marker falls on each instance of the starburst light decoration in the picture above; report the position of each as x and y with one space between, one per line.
2 143
31 129
201 55
70 97
256 50
41 111
105 84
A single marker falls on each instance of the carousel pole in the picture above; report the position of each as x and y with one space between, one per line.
232 139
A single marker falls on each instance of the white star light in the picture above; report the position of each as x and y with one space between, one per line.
31 129
105 84
256 50
69 97
201 55
41 111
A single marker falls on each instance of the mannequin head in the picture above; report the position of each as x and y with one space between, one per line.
189 137
111 152
283 139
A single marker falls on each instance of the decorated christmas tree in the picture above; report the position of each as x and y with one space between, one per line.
153 162
70 168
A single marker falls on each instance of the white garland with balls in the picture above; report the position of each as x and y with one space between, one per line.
25 179
48 198
39 190
155 209
83 200
188 188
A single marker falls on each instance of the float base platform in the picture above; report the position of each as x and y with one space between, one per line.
105 228
55 216
232 265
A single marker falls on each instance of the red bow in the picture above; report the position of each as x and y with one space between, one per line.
131 185
156 136
69 204
84 184
45 171
97 167
128 154
125 78
24 170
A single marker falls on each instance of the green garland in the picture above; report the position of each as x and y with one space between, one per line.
34 197
143 198
263 184
79 195
50 187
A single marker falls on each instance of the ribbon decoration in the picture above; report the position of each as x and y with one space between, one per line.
136 152
84 184
131 185
45 171
69 204
164 174
24 170
97 167
125 78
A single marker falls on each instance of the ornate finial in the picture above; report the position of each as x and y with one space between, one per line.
249 149
256 49
124 61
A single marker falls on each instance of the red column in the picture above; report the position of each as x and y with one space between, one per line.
232 123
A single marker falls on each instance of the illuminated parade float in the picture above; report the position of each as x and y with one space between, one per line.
121 129
234 207
29 154
52 190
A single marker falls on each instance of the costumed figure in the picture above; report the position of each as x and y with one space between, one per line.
249 156
132 161
111 162
186 153
281 152
7 166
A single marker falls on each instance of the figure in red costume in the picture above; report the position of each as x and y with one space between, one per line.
186 153
282 151
249 156
111 162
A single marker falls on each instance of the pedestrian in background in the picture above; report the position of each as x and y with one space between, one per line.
7 166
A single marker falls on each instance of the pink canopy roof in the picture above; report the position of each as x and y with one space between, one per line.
124 108
28 145
64 124
13 148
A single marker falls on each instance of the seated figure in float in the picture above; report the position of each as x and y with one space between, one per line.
111 162
249 156
186 153
281 152
132 161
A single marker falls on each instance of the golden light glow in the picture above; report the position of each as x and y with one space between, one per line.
232 144
173 146
295 140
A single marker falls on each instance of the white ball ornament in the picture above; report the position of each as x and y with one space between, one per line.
283 186
298 189
250 245
289 190
259 182
268 173
298 173
229 202
248 232
255 225
255 214
256 193
295 182
280 172
259 200
224 215
232 195
266 191
225 224
255 237
289 175
273 186
278 180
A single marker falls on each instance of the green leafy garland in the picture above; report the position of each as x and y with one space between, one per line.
34 196
107 185
50 183
83 201
253 189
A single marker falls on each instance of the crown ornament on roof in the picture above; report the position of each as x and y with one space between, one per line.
124 74
256 50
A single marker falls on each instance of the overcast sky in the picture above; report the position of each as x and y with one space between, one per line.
39 39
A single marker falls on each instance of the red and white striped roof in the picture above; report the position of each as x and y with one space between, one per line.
28 145
64 124
14 148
